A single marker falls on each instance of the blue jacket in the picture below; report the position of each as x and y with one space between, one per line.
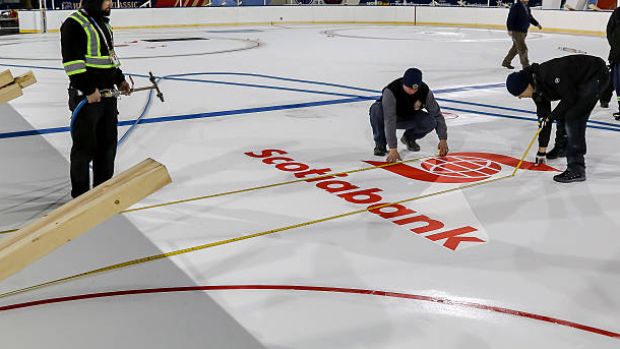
520 17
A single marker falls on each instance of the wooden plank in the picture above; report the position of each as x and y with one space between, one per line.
65 223
6 78
10 92
26 79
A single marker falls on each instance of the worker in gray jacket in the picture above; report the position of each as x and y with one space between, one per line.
401 107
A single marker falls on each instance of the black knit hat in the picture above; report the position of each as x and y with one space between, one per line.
516 83
413 76
92 7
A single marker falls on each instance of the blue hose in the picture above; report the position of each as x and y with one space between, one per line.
75 113
84 101
146 108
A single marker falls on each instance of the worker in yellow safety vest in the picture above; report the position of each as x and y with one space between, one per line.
94 72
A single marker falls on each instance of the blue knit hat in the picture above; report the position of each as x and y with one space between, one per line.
413 76
516 83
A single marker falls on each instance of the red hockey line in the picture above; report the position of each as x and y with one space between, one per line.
445 301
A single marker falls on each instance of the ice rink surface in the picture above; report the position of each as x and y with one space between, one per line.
506 262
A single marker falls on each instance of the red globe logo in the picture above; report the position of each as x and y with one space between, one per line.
460 167
463 167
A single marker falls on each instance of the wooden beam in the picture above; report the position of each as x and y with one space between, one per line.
11 88
10 92
6 78
26 79
67 222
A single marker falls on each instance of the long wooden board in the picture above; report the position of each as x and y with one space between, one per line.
11 88
67 222
26 79
10 92
6 78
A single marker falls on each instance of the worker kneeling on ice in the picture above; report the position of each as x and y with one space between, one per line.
576 81
401 107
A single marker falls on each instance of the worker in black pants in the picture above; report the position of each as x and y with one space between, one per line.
94 139
94 71
613 37
578 82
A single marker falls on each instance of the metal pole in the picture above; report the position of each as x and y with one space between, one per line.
42 11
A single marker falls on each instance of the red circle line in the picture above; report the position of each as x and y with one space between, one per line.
445 301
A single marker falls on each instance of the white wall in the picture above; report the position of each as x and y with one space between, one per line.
585 22
573 21
30 21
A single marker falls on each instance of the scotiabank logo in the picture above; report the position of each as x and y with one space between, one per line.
460 167
427 225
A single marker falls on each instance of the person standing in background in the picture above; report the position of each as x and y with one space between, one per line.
518 22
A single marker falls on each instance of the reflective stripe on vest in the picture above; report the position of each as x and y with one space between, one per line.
74 67
99 62
93 56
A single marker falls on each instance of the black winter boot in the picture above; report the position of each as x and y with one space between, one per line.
380 150
617 116
569 177
410 143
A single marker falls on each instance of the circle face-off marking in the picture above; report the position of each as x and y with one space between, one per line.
150 47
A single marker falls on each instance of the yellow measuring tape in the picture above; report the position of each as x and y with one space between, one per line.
526 151
273 185
245 237
254 188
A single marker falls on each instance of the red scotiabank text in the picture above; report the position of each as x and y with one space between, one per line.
395 213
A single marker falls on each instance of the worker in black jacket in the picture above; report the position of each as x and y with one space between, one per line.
401 107
94 71
576 81
518 22
613 37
